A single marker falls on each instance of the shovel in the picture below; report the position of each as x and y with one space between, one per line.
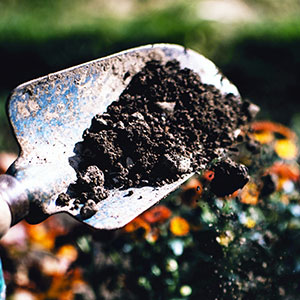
48 116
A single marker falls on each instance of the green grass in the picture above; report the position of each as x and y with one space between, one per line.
39 37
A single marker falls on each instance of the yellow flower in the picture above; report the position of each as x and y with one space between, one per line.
286 149
225 238
179 226
250 223
264 137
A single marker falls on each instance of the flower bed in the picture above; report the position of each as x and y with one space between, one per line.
193 245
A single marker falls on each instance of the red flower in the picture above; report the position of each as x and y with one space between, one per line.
209 175
191 192
285 171
157 214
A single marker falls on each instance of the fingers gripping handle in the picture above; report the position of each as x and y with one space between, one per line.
14 203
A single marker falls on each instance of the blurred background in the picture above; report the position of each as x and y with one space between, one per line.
243 249
256 43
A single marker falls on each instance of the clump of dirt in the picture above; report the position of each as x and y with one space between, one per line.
228 177
166 123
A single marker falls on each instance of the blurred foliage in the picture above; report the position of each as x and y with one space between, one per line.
37 45
264 63
276 9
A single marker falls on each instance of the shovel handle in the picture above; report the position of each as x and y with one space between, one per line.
14 203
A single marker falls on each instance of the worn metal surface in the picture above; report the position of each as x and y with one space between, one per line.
49 115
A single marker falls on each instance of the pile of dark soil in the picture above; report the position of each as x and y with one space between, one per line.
166 123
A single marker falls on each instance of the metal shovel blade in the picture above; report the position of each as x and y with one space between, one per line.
49 115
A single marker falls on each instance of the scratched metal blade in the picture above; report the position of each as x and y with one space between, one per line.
49 115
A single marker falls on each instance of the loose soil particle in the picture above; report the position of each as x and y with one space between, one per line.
166 123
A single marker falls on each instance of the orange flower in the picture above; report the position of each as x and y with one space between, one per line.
67 252
179 226
191 192
62 287
249 194
274 127
136 224
40 236
157 214
43 235
286 171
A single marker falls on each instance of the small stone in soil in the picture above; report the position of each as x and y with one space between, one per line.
63 199
88 209
92 176
176 164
